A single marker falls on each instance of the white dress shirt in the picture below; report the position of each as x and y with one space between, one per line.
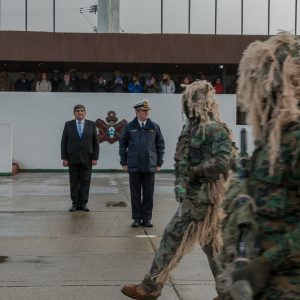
142 122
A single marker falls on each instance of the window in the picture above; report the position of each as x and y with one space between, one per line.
40 15
229 17
203 16
175 16
140 16
256 17
282 16
74 16
12 15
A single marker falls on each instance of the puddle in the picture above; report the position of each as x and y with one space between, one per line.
3 259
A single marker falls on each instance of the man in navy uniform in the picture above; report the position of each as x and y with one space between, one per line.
141 151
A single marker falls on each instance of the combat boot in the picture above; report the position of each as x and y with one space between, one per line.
147 290
137 291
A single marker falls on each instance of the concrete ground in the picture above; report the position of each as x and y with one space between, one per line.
58 255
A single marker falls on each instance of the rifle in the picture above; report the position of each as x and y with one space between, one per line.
241 242
242 290
244 157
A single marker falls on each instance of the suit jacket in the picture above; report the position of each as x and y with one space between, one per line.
79 150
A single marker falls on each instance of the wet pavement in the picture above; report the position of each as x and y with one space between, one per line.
58 255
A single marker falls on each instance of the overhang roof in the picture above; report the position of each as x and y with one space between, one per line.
123 47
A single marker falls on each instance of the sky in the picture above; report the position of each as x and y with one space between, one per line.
144 16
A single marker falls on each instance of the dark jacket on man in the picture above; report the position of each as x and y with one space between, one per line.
22 85
79 150
98 87
66 87
140 149
85 86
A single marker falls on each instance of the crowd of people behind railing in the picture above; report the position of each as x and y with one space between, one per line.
98 83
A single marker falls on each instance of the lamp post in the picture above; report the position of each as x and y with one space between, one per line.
53 15
0 14
26 14
108 16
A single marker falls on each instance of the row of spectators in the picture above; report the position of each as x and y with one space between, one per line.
99 84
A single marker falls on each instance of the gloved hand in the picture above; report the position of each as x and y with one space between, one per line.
194 172
180 193
256 273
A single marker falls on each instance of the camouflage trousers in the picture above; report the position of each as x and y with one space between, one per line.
284 284
190 211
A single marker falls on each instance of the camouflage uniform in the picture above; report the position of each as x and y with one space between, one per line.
203 157
213 152
272 244
278 214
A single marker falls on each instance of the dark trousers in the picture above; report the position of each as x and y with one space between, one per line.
141 190
80 179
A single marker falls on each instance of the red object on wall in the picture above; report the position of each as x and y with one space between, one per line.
15 169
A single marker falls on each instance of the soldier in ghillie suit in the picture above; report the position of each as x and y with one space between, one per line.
269 91
203 158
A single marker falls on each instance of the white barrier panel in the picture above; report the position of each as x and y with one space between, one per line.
38 120
5 149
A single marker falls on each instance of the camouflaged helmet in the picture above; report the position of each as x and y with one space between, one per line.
198 102
269 88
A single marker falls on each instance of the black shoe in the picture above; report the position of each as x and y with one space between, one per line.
135 224
84 208
147 224
73 208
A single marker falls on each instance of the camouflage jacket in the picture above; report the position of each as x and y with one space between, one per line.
277 199
207 147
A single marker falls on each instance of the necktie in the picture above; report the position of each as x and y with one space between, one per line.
143 125
79 128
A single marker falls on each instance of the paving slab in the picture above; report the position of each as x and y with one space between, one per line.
54 254
110 292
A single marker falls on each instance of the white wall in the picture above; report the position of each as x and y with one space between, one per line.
38 120
5 148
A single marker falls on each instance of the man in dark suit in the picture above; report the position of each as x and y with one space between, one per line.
141 151
79 152
23 84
